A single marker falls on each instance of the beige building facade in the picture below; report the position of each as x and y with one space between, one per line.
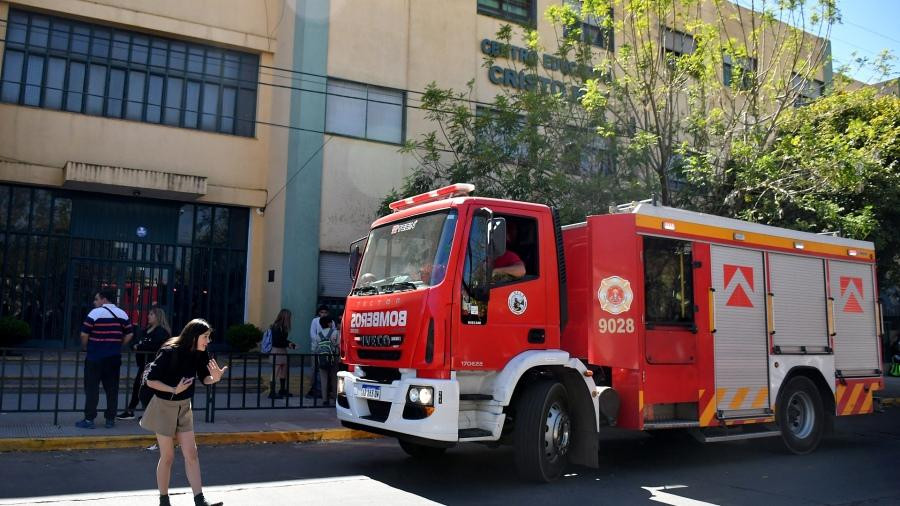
219 156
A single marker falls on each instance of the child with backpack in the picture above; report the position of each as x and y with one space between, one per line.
326 349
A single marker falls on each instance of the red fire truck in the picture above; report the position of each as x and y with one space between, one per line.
647 318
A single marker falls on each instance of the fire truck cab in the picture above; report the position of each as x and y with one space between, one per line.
483 320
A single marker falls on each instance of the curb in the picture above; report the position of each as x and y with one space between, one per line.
215 438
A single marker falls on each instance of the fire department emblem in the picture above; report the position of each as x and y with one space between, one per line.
517 302
615 295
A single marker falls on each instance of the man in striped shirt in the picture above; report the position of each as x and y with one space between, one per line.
103 334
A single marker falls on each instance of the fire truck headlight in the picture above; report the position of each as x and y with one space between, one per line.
420 395
425 396
340 385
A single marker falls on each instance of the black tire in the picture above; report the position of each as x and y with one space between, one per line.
800 415
418 451
542 432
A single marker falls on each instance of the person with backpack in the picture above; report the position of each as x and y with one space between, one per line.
278 336
170 379
103 333
326 349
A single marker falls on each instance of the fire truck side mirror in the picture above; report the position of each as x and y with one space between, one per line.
497 243
356 251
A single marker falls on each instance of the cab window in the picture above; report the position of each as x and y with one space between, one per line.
520 262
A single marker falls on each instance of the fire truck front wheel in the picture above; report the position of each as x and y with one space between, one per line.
542 431
418 451
800 415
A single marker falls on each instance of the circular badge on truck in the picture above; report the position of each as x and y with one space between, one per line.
615 295
517 302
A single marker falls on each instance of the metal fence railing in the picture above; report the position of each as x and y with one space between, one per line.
34 380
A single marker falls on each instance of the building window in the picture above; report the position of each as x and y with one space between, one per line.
668 281
808 89
57 63
738 73
593 30
675 44
517 11
364 111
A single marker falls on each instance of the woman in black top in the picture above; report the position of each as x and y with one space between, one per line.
158 331
281 327
171 379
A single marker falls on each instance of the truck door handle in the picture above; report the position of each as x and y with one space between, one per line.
536 336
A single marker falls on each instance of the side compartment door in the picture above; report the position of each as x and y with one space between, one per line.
799 304
739 326
856 346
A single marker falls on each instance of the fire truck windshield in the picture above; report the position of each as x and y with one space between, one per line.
407 255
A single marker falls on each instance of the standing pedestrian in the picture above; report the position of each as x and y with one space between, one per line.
171 379
103 333
280 328
156 333
314 328
326 349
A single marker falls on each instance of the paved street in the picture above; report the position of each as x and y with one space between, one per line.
857 465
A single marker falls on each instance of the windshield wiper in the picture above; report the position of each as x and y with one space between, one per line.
365 290
398 287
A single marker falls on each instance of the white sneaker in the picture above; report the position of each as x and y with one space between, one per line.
153 447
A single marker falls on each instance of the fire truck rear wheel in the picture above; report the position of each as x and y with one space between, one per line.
542 431
800 415
418 451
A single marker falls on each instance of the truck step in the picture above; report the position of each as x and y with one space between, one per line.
671 424
475 397
719 437
474 432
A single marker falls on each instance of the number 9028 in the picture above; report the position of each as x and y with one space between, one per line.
615 325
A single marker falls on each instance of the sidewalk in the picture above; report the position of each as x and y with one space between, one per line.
35 432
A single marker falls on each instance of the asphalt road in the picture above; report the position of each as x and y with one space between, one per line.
859 464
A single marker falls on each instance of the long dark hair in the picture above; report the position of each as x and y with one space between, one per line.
186 342
283 321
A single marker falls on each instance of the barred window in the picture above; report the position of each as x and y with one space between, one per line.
517 11
364 111
57 63
593 30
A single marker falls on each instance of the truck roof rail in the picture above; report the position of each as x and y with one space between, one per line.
629 207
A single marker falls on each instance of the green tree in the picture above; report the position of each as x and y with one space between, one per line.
529 144
834 166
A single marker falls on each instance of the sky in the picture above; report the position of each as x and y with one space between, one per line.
866 27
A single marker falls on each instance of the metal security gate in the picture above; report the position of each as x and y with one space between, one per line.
741 345
139 287
799 304
856 346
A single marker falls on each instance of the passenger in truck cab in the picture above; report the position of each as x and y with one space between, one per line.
509 265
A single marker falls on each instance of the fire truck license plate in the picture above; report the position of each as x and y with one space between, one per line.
370 392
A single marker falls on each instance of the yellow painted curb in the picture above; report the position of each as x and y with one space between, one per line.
218 438
890 401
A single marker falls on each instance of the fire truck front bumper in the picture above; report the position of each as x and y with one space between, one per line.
415 408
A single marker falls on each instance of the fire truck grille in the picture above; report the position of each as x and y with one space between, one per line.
383 375
379 410
379 354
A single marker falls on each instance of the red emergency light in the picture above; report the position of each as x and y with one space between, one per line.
454 190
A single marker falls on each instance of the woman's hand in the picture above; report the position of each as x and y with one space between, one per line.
215 371
183 385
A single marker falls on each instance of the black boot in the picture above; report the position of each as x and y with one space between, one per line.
164 500
284 392
272 393
199 500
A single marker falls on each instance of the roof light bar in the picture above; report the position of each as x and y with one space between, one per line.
454 190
